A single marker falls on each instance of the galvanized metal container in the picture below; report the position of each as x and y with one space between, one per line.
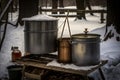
64 50
85 49
40 34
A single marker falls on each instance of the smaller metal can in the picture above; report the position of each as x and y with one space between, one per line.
64 50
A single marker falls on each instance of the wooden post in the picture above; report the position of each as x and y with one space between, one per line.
54 5
80 6
40 10
61 5
87 4
27 9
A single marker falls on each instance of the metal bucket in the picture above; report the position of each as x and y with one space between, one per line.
64 50
15 72
85 49
41 34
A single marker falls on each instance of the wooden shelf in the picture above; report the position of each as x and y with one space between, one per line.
43 66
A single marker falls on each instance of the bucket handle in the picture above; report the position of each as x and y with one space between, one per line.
66 20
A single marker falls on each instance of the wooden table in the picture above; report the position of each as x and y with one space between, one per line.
43 65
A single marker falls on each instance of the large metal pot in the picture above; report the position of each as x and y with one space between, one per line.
40 34
85 49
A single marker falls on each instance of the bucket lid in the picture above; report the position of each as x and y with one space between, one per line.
15 67
94 38
40 17
84 36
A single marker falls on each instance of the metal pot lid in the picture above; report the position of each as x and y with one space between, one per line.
86 35
40 17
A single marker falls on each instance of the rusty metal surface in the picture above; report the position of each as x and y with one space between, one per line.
40 58
41 74
64 50
40 64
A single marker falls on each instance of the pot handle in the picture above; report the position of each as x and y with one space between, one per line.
66 21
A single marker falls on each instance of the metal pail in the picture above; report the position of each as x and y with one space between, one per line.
64 50
15 72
